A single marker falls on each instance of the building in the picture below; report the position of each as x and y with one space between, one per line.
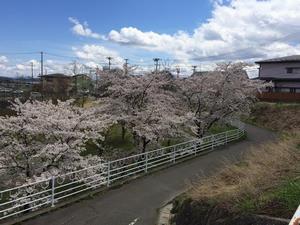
200 73
82 83
56 85
284 73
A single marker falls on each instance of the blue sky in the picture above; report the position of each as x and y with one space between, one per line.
182 33
36 25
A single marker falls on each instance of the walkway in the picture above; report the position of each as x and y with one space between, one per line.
142 197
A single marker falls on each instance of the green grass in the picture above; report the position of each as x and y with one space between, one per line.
171 141
277 105
219 128
113 140
288 194
286 105
274 116
281 200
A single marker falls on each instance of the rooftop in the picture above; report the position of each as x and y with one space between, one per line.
292 58
58 75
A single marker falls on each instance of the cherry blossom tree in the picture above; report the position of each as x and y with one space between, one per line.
146 105
46 139
223 93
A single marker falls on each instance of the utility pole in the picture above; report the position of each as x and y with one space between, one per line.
42 73
97 76
194 69
126 66
156 62
75 73
74 67
31 64
178 71
42 64
109 62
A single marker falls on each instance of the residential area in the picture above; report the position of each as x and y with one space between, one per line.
160 113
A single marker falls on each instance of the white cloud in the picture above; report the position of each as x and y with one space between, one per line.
238 29
97 54
83 29
24 68
3 59
3 62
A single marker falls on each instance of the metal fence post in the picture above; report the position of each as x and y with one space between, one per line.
52 191
212 142
174 155
146 162
108 173
226 137
195 148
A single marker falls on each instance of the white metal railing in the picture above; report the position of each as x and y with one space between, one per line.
48 192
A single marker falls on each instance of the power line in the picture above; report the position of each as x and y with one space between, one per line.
18 53
61 56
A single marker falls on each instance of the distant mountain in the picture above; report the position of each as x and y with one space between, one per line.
3 78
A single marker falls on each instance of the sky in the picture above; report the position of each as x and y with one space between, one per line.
181 33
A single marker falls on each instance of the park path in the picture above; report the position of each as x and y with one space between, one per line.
142 197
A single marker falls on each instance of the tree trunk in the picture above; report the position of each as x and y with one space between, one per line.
199 133
123 132
26 207
144 142
82 102
136 140
169 142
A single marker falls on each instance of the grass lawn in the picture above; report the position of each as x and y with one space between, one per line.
219 128
275 116
114 139
281 200
114 142
266 182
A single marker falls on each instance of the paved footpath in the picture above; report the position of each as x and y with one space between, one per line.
142 197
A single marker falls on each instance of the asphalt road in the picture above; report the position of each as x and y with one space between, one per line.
142 197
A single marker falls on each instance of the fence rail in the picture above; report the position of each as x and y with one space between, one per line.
279 97
48 192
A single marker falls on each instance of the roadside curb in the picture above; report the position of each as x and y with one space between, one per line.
164 215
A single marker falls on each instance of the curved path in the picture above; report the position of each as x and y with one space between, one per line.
142 197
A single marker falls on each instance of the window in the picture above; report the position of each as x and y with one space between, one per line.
294 70
289 70
283 90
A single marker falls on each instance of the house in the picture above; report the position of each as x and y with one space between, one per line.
200 73
284 73
56 85
82 83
